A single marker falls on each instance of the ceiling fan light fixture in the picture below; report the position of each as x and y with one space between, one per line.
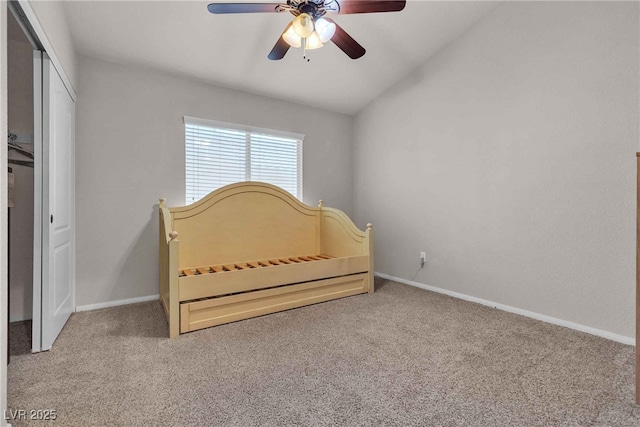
325 29
309 29
313 41
292 38
303 25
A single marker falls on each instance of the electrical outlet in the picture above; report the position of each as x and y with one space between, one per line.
423 258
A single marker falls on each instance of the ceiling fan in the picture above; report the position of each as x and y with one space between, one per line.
310 29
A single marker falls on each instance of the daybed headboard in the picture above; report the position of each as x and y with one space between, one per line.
245 221
254 221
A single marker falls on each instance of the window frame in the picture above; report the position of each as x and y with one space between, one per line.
248 130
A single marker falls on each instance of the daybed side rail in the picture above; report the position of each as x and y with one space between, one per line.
339 235
341 238
369 243
168 246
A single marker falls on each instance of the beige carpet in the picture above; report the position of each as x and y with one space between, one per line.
403 356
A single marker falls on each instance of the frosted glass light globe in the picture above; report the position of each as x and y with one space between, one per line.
325 29
303 25
292 38
313 41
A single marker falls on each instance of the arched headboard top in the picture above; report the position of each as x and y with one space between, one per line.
244 222
238 188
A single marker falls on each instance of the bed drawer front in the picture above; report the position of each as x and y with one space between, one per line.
216 311
229 282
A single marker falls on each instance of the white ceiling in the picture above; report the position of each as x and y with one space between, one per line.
182 38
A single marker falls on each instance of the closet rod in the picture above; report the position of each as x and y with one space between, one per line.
28 163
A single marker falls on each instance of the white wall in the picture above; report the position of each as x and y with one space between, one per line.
510 158
20 111
52 18
130 152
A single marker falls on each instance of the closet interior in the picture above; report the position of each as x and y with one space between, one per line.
20 159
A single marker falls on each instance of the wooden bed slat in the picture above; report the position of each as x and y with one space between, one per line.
252 279
252 265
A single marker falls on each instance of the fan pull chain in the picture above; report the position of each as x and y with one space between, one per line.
304 49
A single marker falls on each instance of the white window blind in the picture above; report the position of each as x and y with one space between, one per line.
218 154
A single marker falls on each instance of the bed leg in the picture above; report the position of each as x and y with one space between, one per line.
174 299
371 271
174 326
174 308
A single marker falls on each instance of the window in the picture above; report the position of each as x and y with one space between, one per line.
218 154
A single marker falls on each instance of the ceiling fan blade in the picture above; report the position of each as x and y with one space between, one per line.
370 6
345 42
281 47
243 7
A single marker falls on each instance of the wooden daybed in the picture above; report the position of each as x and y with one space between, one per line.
250 249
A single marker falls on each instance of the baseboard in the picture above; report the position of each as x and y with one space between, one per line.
548 319
20 318
116 303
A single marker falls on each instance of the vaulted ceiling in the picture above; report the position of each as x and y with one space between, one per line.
182 38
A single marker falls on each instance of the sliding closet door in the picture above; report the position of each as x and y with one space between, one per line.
36 324
57 208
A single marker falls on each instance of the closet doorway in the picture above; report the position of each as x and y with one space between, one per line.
40 152
20 159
